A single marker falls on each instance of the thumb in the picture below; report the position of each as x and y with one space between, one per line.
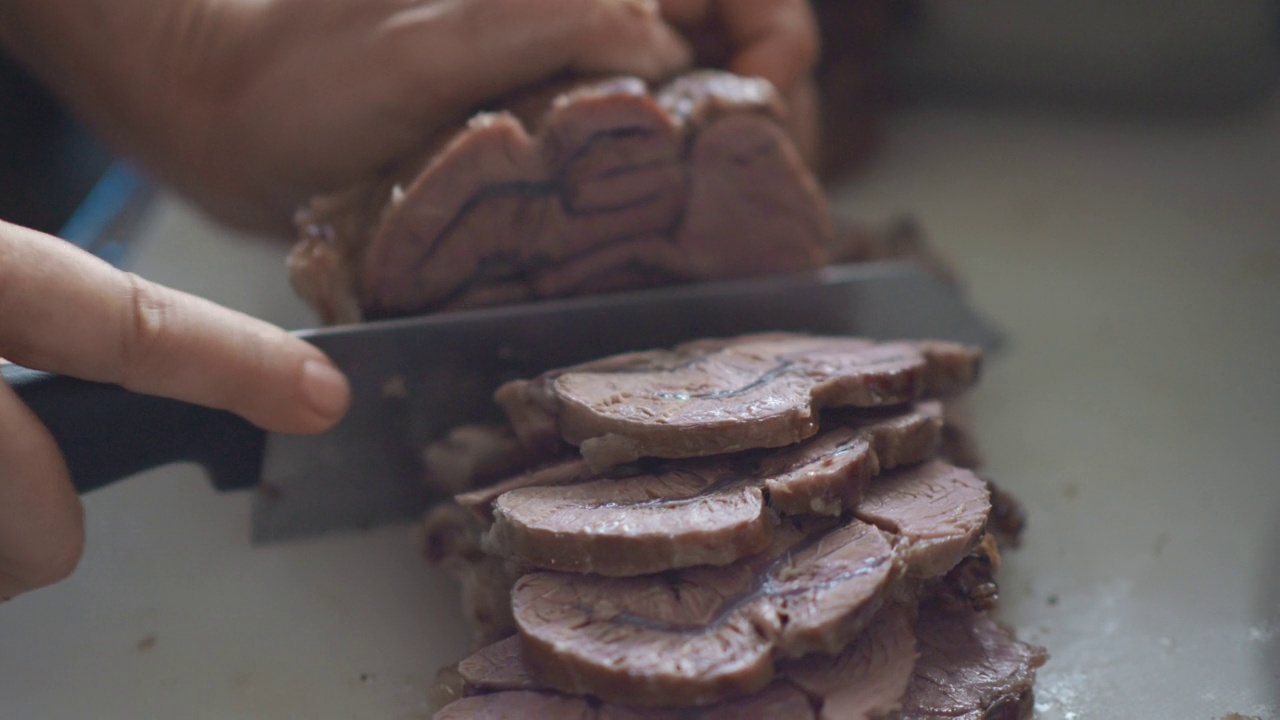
41 519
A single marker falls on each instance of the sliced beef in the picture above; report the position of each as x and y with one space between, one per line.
718 396
970 668
474 455
702 635
938 513
710 511
1008 517
565 472
864 681
972 582
825 475
452 542
868 679
779 700
519 705
909 503
963 665
589 187
620 528
496 667
959 442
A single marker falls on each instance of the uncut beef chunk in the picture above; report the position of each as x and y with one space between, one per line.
710 511
615 188
717 396
970 668
702 635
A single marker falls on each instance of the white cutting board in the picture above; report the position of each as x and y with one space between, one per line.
1135 266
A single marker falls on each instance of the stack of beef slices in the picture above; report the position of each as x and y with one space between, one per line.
759 526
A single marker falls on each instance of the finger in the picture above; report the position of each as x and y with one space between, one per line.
66 311
469 52
773 39
41 520
803 120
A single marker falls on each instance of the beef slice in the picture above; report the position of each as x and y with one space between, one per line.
452 541
937 512
709 511
867 680
970 668
703 635
718 396
864 681
779 700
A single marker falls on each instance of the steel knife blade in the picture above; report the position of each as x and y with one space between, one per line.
414 379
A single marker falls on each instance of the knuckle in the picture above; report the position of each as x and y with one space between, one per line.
143 330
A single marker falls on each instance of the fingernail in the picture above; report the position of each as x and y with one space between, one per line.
326 388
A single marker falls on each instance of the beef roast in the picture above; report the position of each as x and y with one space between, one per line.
615 188
706 511
718 396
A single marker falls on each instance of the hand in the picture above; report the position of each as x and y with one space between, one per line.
251 106
777 40
65 311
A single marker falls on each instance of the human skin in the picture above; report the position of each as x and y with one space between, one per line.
65 311
249 107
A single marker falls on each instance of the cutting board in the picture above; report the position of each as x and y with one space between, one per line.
1133 263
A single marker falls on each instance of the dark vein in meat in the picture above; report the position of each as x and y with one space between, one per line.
765 587
533 190
769 376
745 471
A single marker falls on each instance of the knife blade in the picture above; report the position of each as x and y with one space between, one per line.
414 379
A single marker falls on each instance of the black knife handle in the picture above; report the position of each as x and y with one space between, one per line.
107 433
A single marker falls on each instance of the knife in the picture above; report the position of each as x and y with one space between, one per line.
414 379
